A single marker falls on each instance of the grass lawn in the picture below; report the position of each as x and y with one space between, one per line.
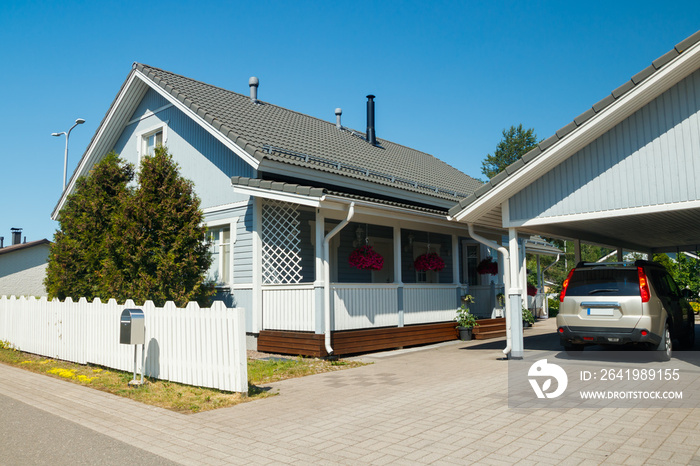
171 395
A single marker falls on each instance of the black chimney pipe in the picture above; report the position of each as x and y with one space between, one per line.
371 136
16 235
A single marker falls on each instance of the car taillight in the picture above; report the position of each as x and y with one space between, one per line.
643 285
564 286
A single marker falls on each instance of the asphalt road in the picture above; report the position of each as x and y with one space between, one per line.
30 436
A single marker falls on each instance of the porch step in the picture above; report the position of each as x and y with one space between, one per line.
489 328
487 335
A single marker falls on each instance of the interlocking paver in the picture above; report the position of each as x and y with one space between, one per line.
442 405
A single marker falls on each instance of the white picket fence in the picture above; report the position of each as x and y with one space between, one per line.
195 346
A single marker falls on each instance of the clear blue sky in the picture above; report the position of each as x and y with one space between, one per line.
448 76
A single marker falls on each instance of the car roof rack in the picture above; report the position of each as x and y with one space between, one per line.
637 263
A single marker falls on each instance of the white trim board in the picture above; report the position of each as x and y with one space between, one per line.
249 159
674 207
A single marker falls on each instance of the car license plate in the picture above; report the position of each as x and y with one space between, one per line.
595 311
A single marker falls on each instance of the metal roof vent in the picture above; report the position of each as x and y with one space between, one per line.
253 82
371 136
338 112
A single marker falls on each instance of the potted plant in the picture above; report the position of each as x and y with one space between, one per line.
528 318
501 299
466 321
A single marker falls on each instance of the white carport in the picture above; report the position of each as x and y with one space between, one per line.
623 174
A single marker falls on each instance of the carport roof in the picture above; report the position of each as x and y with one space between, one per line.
658 228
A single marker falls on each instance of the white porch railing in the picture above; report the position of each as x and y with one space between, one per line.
289 307
430 303
202 347
364 306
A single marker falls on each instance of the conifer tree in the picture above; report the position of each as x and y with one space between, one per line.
79 246
516 142
157 247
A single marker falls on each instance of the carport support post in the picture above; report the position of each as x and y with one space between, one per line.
577 251
620 256
515 297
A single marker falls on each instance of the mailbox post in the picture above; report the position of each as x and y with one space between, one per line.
132 331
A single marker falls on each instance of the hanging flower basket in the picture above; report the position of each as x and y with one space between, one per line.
429 261
366 258
487 266
531 290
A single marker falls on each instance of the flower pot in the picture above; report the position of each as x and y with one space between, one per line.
526 324
465 334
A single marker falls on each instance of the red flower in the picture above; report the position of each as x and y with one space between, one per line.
487 266
531 290
366 258
429 261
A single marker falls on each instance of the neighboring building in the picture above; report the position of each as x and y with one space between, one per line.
23 267
274 183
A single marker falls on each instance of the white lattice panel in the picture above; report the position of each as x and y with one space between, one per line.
281 243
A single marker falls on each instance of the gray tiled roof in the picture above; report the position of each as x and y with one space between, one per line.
318 192
17 247
579 121
269 132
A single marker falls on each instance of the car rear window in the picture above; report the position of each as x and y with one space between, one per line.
604 282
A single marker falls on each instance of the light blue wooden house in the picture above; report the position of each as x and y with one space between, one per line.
288 197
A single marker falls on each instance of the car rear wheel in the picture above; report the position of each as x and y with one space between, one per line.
665 348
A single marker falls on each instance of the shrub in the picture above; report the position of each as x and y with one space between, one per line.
695 306
553 305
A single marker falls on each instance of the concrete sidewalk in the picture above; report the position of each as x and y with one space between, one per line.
446 404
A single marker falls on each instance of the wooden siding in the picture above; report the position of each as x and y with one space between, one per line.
657 147
202 158
355 341
424 303
364 306
289 308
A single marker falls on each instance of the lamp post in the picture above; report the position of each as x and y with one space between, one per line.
79 121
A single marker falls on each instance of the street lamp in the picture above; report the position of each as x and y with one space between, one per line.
79 121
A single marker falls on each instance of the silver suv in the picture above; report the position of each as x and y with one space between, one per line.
616 303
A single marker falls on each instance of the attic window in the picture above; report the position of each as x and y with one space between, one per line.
150 138
151 141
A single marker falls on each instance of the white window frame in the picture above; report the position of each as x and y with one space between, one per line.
232 224
149 131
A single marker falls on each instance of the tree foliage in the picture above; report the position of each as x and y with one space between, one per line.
79 246
516 142
151 237
685 270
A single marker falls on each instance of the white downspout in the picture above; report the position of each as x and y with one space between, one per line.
506 278
327 277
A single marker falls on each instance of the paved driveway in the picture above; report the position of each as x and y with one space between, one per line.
444 405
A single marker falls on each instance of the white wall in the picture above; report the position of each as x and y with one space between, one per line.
22 272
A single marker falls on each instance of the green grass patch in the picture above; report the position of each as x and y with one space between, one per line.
170 395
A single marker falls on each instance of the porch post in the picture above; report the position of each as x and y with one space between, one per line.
398 279
523 273
514 297
620 256
577 251
257 324
318 279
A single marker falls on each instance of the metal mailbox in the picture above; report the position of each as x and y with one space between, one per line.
132 328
